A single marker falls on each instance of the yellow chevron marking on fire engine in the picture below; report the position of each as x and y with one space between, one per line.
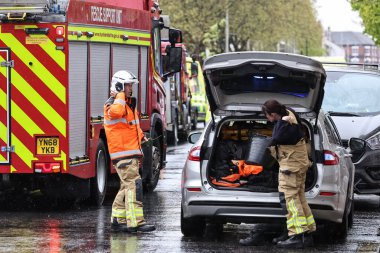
40 70
44 107
19 115
50 48
63 158
23 119
22 151
109 35
3 133
3 99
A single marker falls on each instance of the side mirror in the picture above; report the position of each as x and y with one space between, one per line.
175 36
194 137
357 145
172 60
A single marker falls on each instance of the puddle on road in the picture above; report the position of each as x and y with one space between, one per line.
368 247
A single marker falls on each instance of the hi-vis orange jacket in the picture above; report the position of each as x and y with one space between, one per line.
122 128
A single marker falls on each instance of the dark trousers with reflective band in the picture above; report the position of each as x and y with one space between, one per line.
299 217
126 207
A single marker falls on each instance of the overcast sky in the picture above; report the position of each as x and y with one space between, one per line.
338 15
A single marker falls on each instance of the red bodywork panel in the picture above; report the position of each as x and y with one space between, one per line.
128 14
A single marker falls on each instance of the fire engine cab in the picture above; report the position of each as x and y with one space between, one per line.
57 58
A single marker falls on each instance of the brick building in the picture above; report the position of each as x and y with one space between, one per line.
358 47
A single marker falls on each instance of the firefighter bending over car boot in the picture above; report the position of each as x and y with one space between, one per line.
124 136
288 146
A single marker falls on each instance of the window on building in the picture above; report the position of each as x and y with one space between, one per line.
354 50
367 50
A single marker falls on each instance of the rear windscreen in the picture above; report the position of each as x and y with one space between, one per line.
264 83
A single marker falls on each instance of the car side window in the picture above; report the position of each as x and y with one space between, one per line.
331 133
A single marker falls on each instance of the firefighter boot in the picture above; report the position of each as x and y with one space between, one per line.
298 241
118 227
142 228
282 237
254 239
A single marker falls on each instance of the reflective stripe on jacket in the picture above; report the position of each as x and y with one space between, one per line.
122 128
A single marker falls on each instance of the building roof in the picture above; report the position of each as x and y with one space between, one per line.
351 38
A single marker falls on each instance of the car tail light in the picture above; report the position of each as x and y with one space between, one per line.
327 193
330 158
194 154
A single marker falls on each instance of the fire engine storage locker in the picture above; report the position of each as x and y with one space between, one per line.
99 77
77 99
144 79
126 57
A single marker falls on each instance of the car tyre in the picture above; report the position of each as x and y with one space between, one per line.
340 230
99 182
351 214
155 164
192 226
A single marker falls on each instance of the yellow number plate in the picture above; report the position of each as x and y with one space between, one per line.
47 145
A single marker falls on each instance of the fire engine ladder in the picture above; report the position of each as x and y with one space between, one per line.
19 9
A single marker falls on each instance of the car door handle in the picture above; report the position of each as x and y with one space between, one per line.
347 155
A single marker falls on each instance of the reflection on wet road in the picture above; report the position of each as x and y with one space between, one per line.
86 229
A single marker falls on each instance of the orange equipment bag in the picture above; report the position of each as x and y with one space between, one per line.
245 170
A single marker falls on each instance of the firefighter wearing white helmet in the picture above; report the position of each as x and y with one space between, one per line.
124 137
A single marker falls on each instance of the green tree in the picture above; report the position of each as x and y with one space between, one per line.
369 11
194 18
253 25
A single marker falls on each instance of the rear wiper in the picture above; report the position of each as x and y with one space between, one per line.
331 113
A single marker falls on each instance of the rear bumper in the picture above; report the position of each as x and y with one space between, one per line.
264 209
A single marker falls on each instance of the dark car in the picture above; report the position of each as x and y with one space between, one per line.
352 99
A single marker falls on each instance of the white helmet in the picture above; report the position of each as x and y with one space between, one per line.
120 78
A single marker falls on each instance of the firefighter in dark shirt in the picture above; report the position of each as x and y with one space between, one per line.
288 146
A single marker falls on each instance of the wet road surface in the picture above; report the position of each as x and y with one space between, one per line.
53 228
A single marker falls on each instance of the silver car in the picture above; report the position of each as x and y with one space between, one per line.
237 84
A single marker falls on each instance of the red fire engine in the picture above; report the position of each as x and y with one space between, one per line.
57 58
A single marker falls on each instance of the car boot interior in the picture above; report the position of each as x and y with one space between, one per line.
245 142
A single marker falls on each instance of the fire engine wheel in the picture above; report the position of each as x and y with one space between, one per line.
99 182
156 164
